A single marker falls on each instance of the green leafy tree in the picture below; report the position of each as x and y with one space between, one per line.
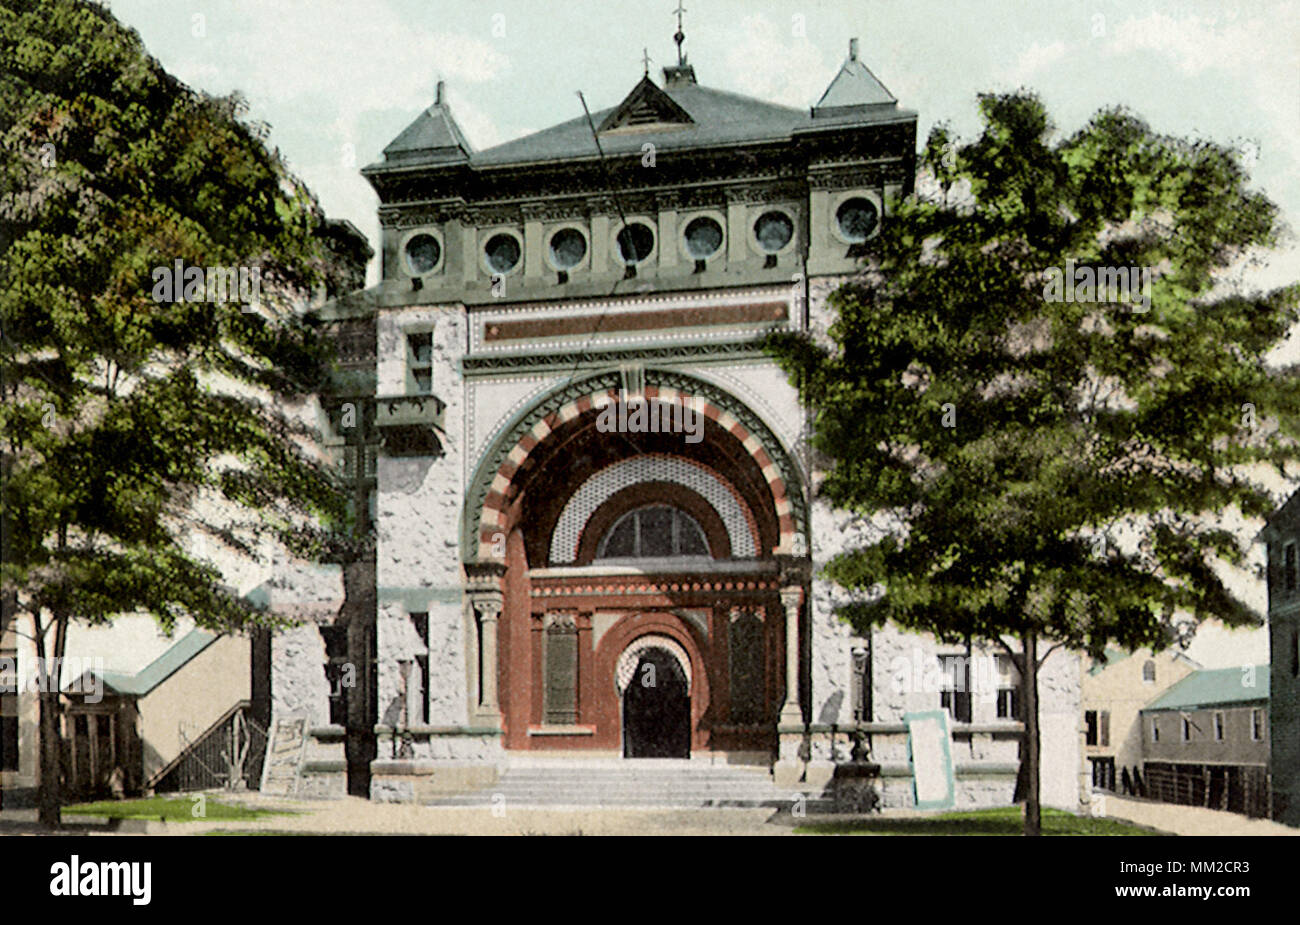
1054 470
127 421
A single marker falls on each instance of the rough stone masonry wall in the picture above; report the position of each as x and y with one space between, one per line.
419 504
299 686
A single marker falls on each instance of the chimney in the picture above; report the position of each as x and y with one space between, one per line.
437 99
853 49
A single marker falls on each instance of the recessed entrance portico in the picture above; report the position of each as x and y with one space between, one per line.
653 678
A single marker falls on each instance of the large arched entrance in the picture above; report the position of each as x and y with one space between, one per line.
655 686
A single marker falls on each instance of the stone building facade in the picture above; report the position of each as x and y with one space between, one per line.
583 472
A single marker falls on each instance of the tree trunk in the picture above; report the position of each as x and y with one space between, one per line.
1030 748
50 744
50 788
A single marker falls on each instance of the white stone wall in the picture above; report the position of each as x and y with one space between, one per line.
299 686
419 509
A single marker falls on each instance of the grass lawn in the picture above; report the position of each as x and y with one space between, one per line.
1003 821
167 809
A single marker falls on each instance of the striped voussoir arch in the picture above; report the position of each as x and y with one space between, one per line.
492 520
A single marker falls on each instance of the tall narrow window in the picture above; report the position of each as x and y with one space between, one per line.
1103 728
747 658
419 360
560 654
1187 729
1008 689
420 620
954 692
1155 729
1218 727
1257 725
8 732
1288 567
336 672
1149 671
1090 727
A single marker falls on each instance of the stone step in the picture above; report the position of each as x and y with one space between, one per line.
668 785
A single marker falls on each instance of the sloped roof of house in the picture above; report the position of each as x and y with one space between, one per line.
1214 687
1108 658
161 668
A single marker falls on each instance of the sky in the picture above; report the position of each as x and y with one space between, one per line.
336 81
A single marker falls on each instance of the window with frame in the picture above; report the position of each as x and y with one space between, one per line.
954 689
1257 725
8 732
1187 729
419 361
560 661
420 620
1288 567
337 672
1218 726
1155 729
1090 727
656 531
1149 671
1008 705
747 656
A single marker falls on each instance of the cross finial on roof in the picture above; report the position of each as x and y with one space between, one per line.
645 60
680 36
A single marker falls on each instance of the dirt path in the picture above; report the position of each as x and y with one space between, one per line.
1190 820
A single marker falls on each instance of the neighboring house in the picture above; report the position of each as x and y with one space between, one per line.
145 723
1282 535
17 720
1115 689
1205 741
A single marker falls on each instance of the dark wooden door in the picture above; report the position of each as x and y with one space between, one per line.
657 709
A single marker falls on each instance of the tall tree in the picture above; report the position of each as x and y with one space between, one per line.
1053 456
129 423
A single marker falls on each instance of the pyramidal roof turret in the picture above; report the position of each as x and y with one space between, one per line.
433 138
854 90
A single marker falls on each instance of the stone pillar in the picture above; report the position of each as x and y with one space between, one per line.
791 765
487 609
790 712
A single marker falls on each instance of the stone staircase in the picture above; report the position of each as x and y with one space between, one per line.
633 783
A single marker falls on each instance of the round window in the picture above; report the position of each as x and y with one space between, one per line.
774 230
703 237
857 219
422 254
502 252
568 247
636 242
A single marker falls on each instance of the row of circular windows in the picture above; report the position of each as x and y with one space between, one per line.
856 219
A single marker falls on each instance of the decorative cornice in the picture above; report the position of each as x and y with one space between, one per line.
638 585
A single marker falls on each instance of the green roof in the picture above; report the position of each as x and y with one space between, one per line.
1108 658
1214 687
161 668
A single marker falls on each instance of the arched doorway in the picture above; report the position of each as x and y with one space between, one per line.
656 703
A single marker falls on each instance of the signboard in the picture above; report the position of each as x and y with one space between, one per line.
929 749
284 753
